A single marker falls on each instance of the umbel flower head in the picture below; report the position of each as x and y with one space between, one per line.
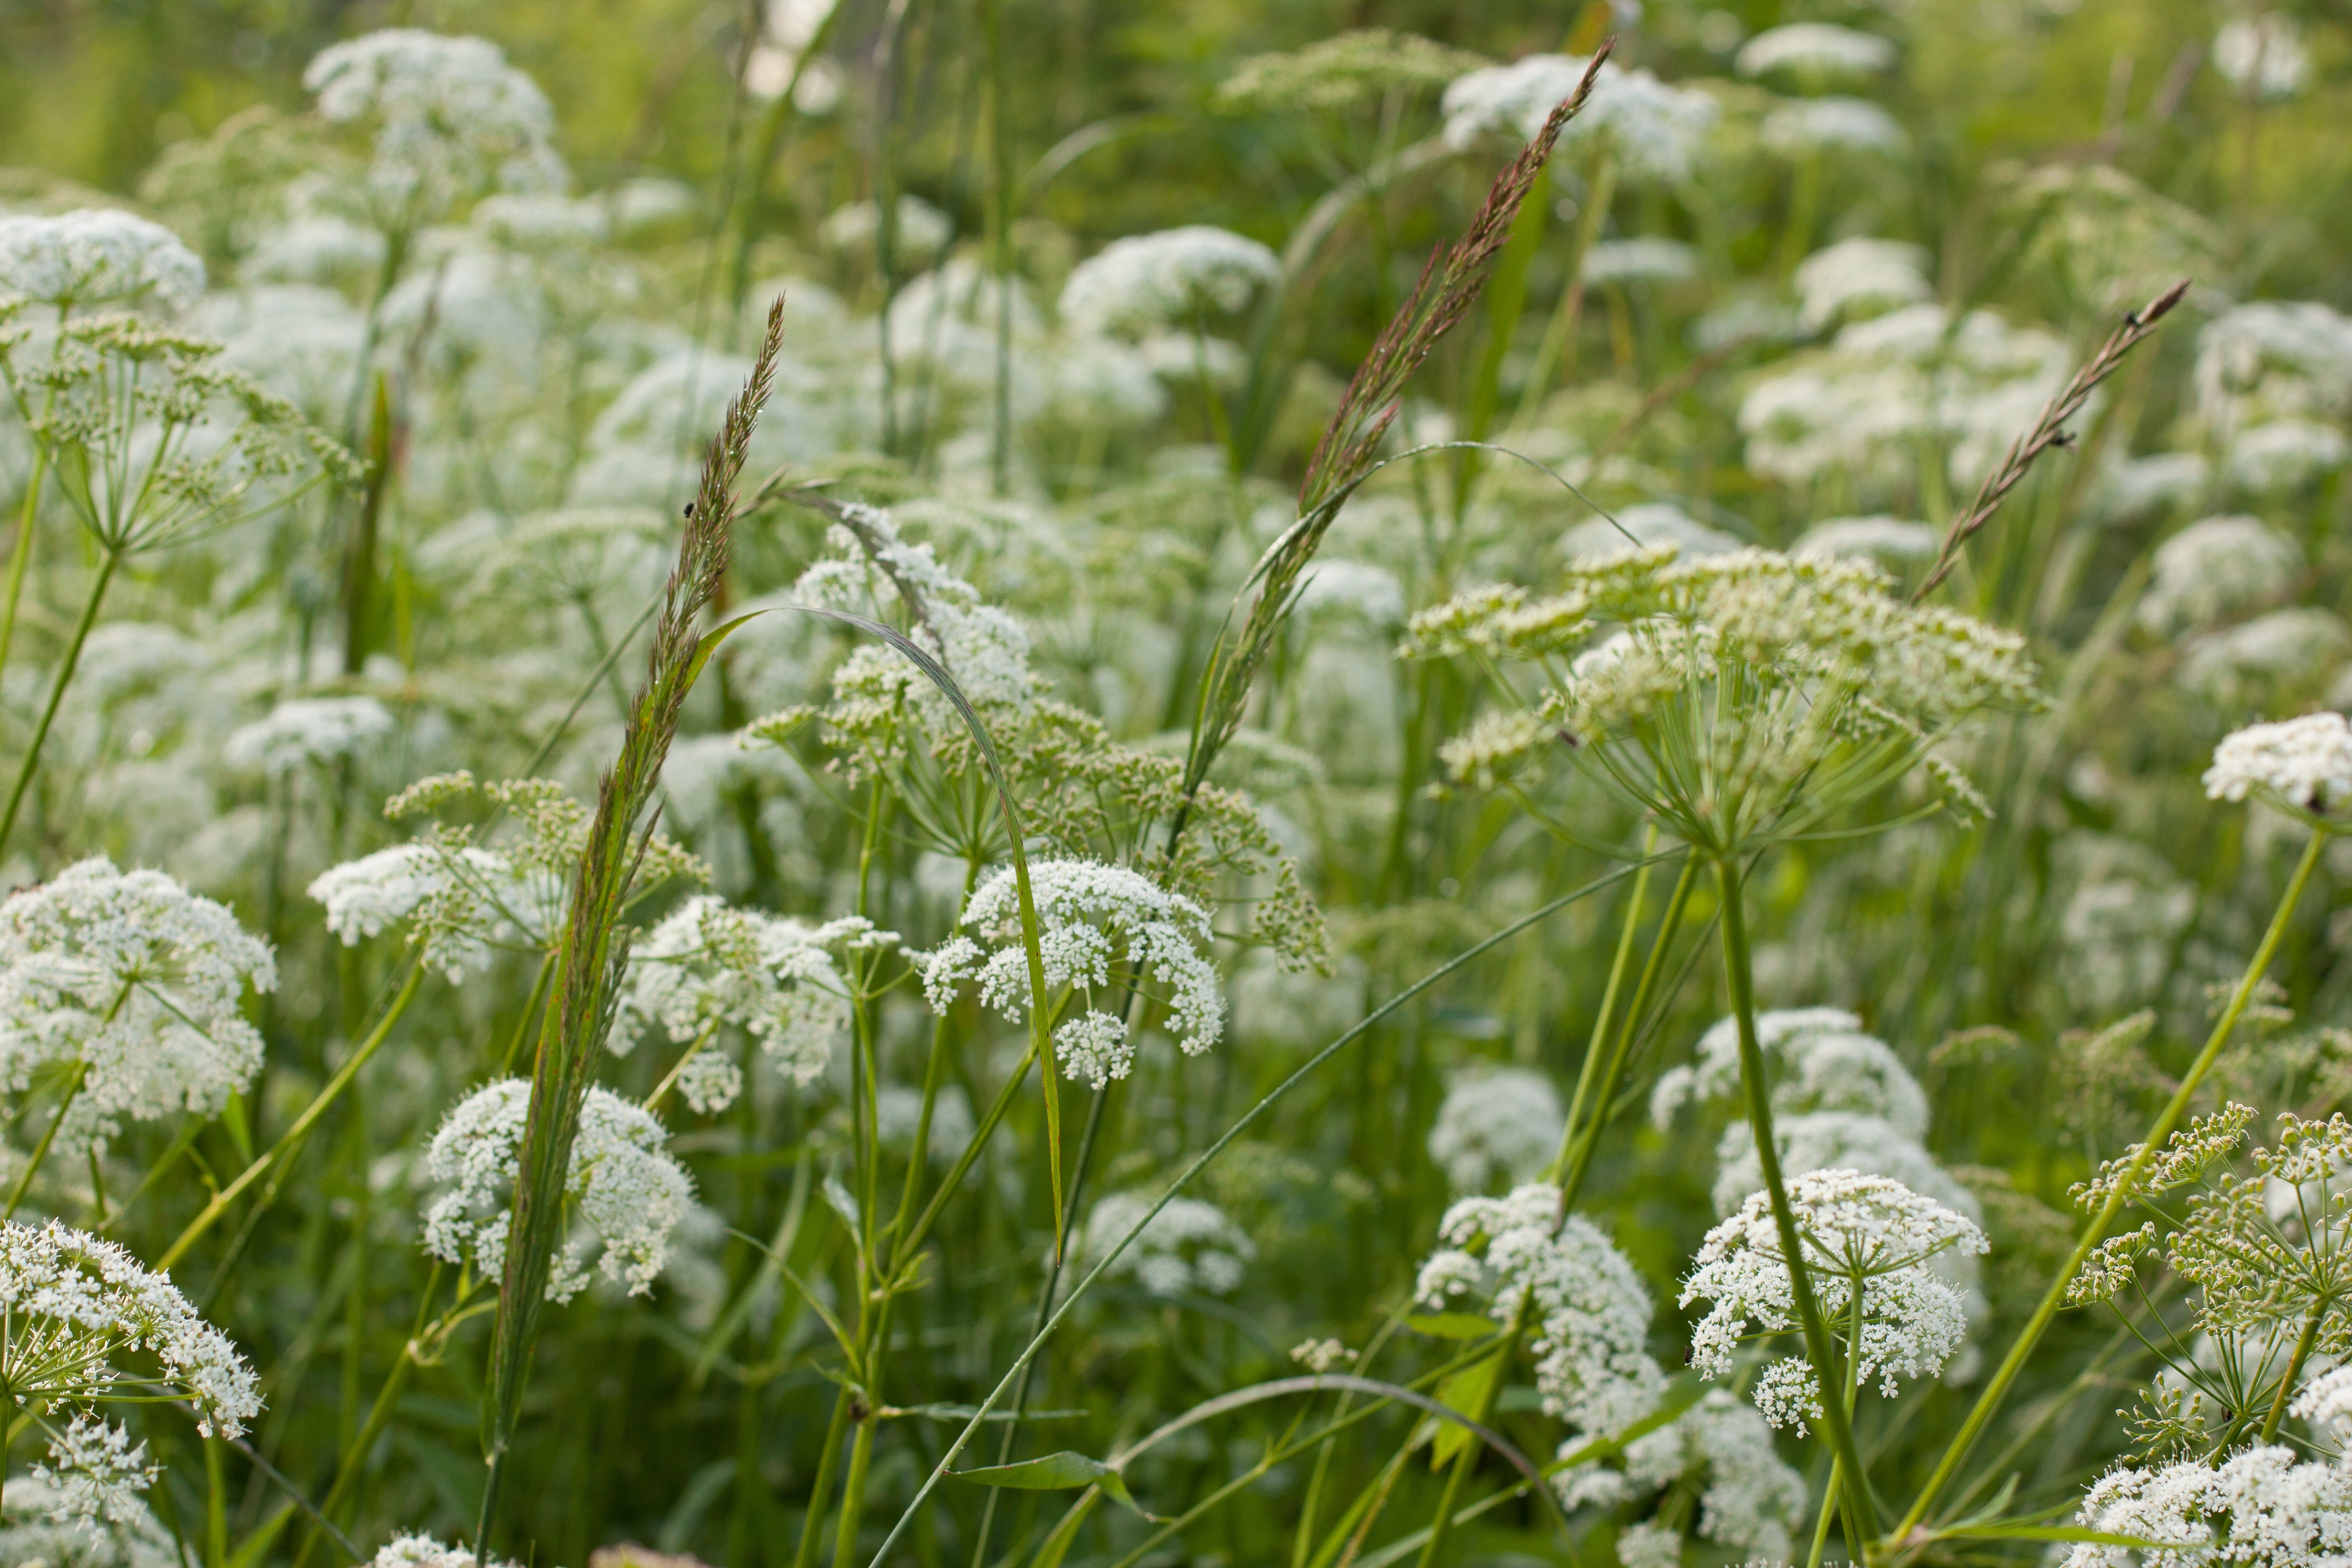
1349 70
153 440
1501 1122
96 257
774 977
623 1187
1740 696
426 1552
2263 1508
1589 1310
2304 765
1097 923
40 1526
450 122
1861 1233
1170 278
131 986
83 1324
1188 1248
1752 1502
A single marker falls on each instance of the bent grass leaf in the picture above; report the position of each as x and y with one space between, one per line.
1451 1325
1058 1472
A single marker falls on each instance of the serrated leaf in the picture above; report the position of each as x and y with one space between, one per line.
1451 1325
1466 1392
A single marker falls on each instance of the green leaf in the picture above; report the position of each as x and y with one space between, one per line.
2050 1532
1466 1392
1057 1544
255 1547
710 641
1056 1472
1452 1325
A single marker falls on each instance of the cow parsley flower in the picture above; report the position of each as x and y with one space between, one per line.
1750 1501
76 1307
1890 541
2263 1508
2133 487
628 1193
1861 1233
97 256
707 965
1813 49
1854 274
1168 279
2264 55
1589 1309
41 1527
2272 656
2273 359
1649 1544
1336 74
133 985
2284 453
426 1551
1822 1061
1643 260
2214 566
449 121
1188 1248
1788 685
1821 124
1653 129
1505 1122
305 730
1095 921
922 230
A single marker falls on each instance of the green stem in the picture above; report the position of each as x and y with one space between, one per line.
294 1134
1829 1368
21 553
1589 1071
669 1079
57 694
2293 1365
1820 1524
2055 1297
822 1491
41 1150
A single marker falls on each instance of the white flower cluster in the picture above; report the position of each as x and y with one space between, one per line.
2261 1507
72 1304
1091 917
1643 260
707 964
451 122
2306 762
136 984
2214 566
1502 1123
1860 1233
1653 129
1188 1248
426 1551
1813 49
42 1526
985 647
97 256
1824 124
1750 1501
1172 277
305 730
628 1192
1859 276
461 901
2273 359
2264 55
1589 1309
1890 541
921 230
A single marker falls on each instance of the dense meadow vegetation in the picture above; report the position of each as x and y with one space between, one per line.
1023 782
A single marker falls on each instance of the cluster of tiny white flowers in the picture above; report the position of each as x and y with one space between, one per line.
1589 1310
461 901
1813 49
1503 1123
450 118
1855 273
1089 916
983 647
2273 359
1825 1062
1752 1502
97 256
2306 762
42 1527
1816 124
73 1302
1651 129
305 730
139 984
2263 1508
1321 1355
707 964
1859 1231
922 230
629 1192
2216 565
426 1551
1643 260
1189 1246
1168 279
2284 453
1889 539
2262 54
1649 1544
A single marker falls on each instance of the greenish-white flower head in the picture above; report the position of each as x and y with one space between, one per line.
1351 70
1741 697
